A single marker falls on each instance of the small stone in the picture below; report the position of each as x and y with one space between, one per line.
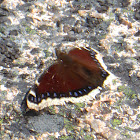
130 111
138 74
137 33
34 51
83 13
13 32
66 28
138 96
125 3
137 15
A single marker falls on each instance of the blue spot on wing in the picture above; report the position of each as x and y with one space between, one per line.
75 94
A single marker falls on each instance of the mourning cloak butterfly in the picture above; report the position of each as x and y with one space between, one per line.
74 75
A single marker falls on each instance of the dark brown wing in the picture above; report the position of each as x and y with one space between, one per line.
74 71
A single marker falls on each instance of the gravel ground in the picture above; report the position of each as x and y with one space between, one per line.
29 32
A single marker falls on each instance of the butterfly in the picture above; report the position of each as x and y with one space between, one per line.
74 74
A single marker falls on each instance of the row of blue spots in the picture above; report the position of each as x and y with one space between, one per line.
77 93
